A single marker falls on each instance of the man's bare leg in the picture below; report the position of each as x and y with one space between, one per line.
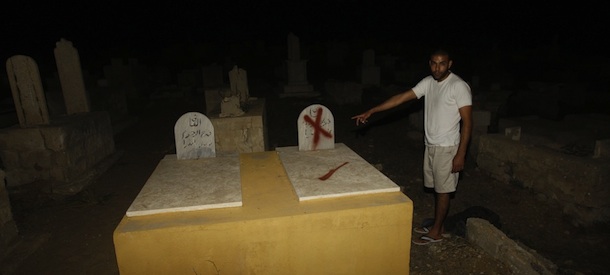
440 213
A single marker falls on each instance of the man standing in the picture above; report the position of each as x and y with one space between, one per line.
448 101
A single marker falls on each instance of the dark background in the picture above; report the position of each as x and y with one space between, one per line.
567 35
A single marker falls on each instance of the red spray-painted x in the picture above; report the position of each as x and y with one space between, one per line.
317 128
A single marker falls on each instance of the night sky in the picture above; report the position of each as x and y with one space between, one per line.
100 30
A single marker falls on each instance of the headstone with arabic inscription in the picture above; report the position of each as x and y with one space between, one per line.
316 128
194 135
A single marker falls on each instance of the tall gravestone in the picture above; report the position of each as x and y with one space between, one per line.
26 87
316 128
233 103
194 136
75 96
238 79
64 154
297 71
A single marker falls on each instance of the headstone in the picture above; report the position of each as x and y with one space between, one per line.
316 128
28 95
67 60
234 99
194 136
238 78
296 71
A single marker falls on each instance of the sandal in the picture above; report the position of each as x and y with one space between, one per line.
421 230
425 240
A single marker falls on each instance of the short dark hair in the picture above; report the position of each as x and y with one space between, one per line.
440 51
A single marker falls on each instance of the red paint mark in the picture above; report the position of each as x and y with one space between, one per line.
317 128
331 172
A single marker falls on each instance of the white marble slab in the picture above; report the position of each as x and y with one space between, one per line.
188 185
355 178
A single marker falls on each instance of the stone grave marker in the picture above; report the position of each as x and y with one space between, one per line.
316 128
194 136
67 60
26 87
238 79
296 71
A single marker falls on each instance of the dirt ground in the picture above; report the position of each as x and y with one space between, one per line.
73 235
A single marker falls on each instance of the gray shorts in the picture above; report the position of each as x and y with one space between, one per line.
438 161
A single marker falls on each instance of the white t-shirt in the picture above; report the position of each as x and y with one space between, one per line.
441 114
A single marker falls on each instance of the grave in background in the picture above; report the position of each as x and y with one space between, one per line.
64 153
239 120
562 161
296 69
75 96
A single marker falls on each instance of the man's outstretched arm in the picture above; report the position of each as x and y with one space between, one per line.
386 105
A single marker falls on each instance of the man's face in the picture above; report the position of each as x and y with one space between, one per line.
439 66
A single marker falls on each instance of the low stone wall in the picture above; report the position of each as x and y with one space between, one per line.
579 184
519 258
60 153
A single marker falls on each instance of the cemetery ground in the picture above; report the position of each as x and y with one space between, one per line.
73 235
